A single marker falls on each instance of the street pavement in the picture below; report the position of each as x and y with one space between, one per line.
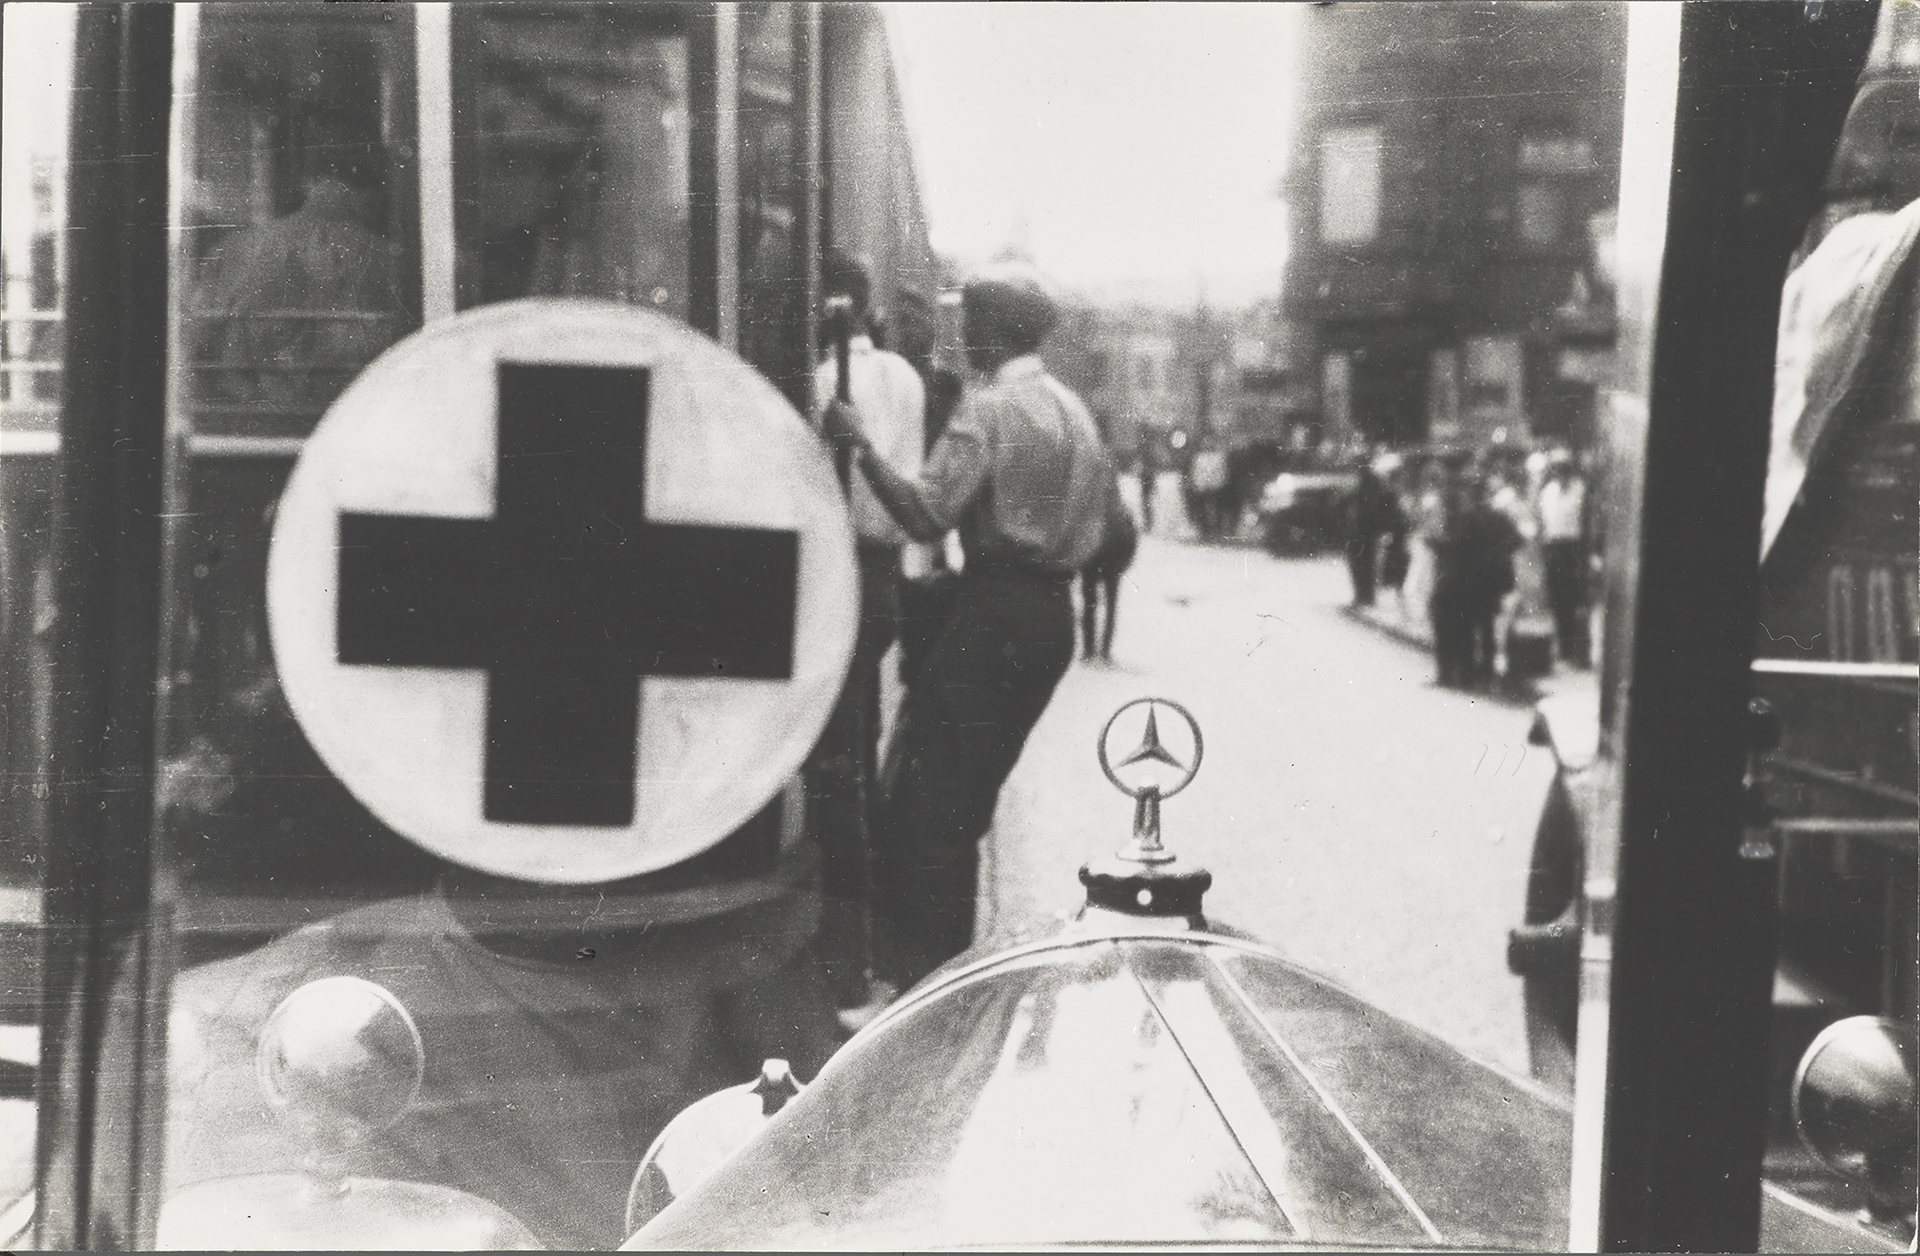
1373 827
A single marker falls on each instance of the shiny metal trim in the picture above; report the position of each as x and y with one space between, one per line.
1332 1106
1652 91
809 175
211 445
1841 671
23 444
433 107
1845 826
1257 1159
1215 945
1130 931
1192 769
1139 929
1840 1222
1095 920
1842 780
726 180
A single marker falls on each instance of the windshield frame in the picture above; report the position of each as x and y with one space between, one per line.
1693 315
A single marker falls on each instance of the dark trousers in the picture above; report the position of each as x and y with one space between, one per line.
1567 598
1360 567
1483 642
963 724
1097 586
1452 634
1206 514
839 786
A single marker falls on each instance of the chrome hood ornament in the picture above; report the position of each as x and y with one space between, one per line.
1144 878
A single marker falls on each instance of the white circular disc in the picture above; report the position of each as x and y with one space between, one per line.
414 437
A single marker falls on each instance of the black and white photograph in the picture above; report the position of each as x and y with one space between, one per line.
794 625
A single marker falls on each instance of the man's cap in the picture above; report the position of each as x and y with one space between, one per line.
1015 296
843 274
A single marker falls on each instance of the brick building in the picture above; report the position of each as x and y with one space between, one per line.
1453 174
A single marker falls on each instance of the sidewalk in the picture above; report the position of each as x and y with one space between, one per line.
1409 626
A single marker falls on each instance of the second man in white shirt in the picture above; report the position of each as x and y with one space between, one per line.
890 398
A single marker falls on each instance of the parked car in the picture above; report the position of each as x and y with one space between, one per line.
1300 508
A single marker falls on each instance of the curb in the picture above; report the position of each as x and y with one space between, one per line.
1394 627
1530 691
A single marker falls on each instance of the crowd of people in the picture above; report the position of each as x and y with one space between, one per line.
1450 539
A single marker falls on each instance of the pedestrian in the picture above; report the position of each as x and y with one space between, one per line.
1023 475
293 308
889 397
1395 558
1100 582
1207 474
1473 551
1149 481
1447 599
1425 512
1563 544
1368 513
927 590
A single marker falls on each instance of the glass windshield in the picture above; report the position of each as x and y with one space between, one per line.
1355 501
561 1027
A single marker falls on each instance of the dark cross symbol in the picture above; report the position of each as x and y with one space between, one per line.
567 595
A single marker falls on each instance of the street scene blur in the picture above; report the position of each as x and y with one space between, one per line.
1362 493
867 625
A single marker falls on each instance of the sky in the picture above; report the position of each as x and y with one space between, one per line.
1135 149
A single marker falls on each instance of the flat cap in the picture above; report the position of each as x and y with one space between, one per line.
1016 297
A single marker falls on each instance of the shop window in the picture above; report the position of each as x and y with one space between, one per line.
1350 184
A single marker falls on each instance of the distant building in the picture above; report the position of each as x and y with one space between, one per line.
1269 398
1168 378
1454 166
1124 361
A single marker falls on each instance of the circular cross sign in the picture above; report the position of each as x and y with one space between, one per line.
562 590
1138 752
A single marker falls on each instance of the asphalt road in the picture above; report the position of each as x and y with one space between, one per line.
1373 827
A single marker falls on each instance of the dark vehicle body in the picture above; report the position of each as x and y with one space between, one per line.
1831 794
1302 509
1253 1103
1140 1077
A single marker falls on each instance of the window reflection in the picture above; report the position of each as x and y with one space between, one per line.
772 285
33 192
570 155
299 215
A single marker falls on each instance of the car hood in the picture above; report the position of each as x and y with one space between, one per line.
1141 1087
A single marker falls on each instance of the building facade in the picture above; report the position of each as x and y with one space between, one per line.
1165 380
1453 173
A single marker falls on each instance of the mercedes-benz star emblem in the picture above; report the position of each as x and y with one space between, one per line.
1151 754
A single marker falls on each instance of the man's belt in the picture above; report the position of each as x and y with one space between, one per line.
1020 568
